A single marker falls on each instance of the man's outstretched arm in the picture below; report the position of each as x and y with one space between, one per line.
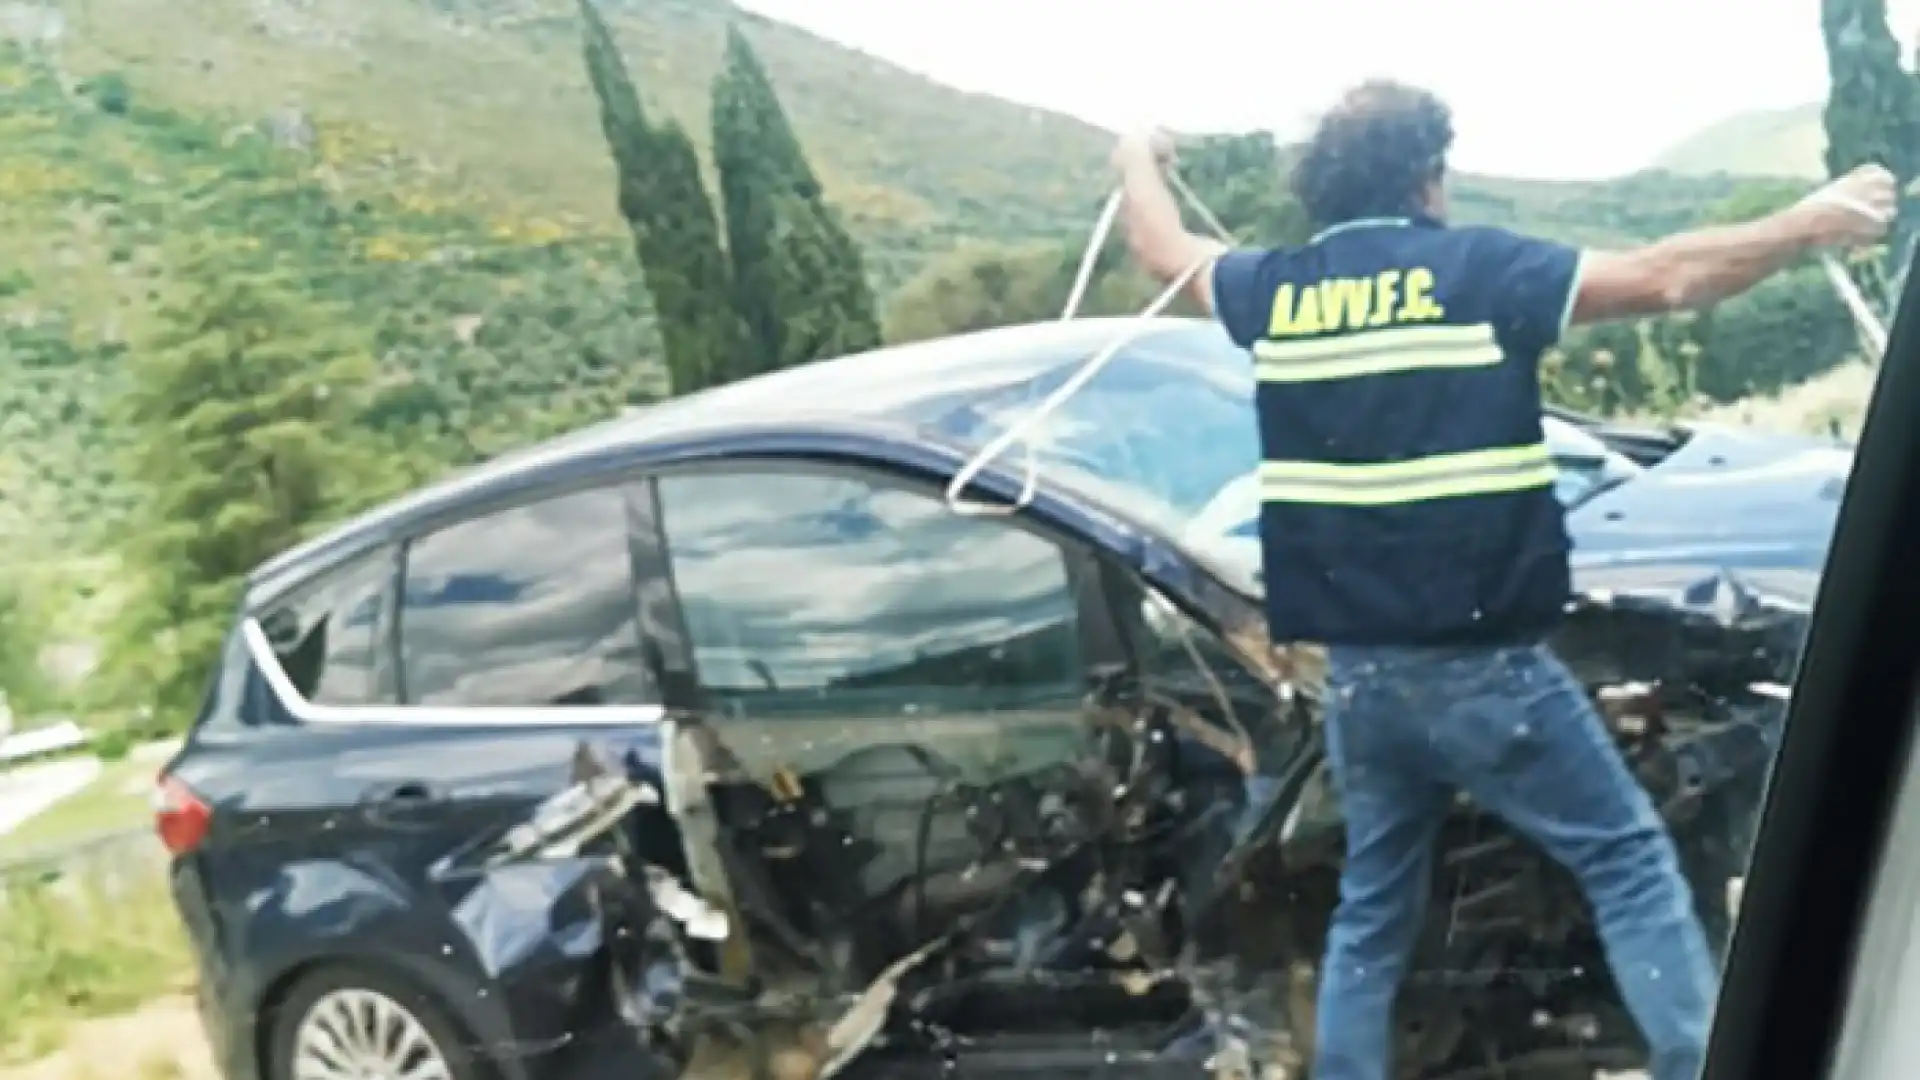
1703 267
1150 216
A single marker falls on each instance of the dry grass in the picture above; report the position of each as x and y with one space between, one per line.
1835 402
161 1040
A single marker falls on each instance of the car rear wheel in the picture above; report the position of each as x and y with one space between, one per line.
353 1023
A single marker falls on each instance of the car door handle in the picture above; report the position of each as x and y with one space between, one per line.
401 794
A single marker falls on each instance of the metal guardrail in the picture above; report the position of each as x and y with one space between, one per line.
38 743
116 846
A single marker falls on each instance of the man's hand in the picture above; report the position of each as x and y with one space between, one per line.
1853 211
1151 144
1155 233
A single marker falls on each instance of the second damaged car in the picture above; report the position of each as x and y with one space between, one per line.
716 741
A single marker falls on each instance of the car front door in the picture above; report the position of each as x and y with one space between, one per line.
890 698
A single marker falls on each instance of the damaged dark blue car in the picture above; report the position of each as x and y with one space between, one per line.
713 741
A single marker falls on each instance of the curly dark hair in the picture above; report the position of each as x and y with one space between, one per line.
1374 154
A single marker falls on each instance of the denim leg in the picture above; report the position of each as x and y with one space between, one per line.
1393 812
1530 748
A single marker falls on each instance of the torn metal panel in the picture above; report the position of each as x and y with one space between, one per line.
1715 628
518 911
1147 873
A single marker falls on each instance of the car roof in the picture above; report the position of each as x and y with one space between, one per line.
891 389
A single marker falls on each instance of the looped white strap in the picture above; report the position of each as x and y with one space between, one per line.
1083 277
1873 331
1018 432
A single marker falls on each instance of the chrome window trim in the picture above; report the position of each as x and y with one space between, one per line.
309 712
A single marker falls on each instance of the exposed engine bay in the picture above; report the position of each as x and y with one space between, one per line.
1141 884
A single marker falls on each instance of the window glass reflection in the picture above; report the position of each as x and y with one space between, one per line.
326 636
532 605
807 593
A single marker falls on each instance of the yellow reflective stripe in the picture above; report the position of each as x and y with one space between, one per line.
1377 352
1411 469
1425 491
1442 476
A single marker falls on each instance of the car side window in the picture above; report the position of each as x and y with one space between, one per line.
326 634
531 606
832 595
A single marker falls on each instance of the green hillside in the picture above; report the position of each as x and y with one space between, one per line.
433 170
1771 142
491 94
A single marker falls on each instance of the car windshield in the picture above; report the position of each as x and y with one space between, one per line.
1166 430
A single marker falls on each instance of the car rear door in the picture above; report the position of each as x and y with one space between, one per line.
394 712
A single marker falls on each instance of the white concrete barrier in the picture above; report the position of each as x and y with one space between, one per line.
65 735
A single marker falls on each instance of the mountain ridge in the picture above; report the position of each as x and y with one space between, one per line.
1784 143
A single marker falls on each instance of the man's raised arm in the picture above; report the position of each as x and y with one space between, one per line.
1703 267
1159 240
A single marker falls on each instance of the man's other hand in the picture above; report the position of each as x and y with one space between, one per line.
1853 211
1152 144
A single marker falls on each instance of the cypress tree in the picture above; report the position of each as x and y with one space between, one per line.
684 239
1873 109
749 177
799 279
671 217
823 310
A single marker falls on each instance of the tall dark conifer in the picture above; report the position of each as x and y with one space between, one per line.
800 283
675 234
1873 109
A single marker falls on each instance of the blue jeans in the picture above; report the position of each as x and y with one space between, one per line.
1512 728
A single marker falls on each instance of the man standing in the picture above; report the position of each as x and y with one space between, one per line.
1409 524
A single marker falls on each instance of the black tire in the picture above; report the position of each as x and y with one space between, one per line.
453 1044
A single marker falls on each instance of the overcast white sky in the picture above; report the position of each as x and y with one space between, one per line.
1540 88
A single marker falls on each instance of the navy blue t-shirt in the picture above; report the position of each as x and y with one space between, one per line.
1406 343
1529 284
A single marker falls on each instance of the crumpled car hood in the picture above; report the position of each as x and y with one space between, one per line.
1726 497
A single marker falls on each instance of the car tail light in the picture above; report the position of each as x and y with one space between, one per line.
179 816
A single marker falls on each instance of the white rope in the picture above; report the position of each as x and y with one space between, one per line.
1872 330
1018 432
1083 278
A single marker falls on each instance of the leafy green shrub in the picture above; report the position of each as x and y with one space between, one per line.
110 92
93 940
